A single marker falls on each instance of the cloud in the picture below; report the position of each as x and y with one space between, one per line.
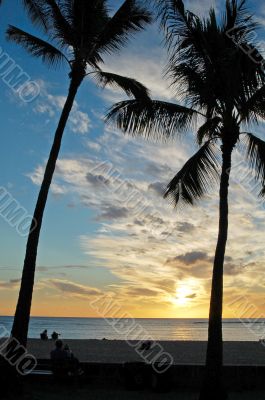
138 291
79 122
73 288
112 212
11 284
192 264
14 281
93 145
58 267
97 180
191 296
232 268
158 188
185 227
191 257
52 105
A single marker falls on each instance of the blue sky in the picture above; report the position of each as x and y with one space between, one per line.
94 238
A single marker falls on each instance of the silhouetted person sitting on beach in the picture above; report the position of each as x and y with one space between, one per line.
74 362
44 335
59 359
55 335
63 361
58 353
68 351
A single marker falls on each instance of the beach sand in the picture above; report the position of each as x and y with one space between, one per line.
183 352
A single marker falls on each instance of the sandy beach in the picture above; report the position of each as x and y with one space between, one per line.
183 352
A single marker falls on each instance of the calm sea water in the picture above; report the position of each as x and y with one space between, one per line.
158 329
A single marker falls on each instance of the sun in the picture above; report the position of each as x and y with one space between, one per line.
185 292
181 295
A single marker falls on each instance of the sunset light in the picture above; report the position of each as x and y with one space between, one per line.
186 292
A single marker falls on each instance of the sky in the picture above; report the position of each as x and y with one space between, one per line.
107 230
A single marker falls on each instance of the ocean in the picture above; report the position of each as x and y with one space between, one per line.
157 328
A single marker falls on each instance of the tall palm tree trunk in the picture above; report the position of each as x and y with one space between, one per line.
22 314
213 384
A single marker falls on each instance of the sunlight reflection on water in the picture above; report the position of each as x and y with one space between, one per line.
159 329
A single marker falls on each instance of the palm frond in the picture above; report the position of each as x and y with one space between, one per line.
130 86
190 84
254 107
196 177
152 118
63 31
193 47
238 22
239 27
256 157
37 12
180 25
209 129
206 66
67 10
130 18
88 18
171 14
36 47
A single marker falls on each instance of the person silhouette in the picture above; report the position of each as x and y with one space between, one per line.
44 335
63 361
55 335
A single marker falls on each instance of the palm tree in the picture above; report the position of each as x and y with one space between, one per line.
86 30
218 81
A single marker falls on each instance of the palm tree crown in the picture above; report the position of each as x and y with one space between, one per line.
81 32
216 82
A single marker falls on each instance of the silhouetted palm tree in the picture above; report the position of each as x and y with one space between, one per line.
79 32
215 76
